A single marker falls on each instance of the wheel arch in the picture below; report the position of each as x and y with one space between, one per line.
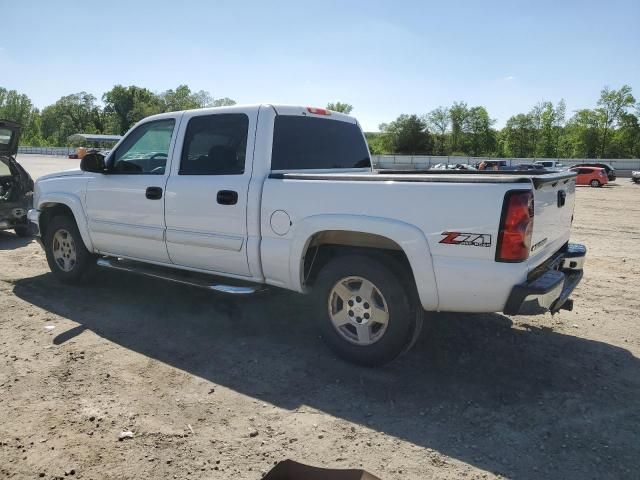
356 233
63 204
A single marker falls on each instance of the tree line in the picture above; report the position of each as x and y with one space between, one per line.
121 108
610 130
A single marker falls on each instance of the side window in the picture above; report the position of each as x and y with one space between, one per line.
215 145
145 150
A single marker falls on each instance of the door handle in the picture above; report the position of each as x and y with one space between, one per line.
227 197
154 193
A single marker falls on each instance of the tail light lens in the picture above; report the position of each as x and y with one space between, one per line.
516 227
318 111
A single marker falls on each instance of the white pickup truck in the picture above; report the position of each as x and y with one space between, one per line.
238 198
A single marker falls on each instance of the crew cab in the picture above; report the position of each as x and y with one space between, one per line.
16 186
239 198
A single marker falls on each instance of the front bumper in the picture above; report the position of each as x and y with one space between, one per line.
550 287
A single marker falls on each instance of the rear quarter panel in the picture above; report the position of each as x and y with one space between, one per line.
464 275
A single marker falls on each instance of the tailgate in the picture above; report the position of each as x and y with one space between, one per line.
554 198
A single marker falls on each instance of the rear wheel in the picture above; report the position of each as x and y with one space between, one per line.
67 256
366 314
595 183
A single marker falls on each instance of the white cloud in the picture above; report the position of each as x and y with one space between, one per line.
509 78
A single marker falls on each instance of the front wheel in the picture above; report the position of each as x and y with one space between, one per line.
367 314
595 183
67 256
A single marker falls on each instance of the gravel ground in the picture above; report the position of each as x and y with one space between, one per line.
218 388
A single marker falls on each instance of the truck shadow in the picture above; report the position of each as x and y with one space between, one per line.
10 241
522 403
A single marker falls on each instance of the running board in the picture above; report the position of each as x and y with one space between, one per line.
176 276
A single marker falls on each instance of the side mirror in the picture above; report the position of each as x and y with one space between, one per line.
93 162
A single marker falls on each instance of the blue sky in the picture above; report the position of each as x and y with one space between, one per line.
385 58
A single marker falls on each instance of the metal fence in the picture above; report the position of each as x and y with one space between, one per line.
412 162
59 151
417 162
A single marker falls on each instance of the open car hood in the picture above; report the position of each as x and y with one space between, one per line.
9 137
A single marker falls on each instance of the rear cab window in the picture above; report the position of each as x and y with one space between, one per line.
309 143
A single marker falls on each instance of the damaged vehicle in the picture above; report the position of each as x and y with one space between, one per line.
16 186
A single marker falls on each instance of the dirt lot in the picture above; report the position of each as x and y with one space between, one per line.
219 388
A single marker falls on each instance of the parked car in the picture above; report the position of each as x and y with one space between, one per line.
451 166
635 176
283 196
611 172
529 166
594 176
551 165
493 165
16 186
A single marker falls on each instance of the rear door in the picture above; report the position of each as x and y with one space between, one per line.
206 201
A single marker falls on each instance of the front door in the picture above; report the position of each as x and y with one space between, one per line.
125 206
206 198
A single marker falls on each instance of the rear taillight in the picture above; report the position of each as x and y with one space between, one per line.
516 227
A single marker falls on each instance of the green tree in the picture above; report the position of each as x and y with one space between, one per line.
481 136
625 140
15 106
582 138
438 120
223 102
611 106
179 99
183 99
76 113
340 107
517 134
408 134
459 113
124 106
550 128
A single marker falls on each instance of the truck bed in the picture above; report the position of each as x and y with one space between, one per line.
537 177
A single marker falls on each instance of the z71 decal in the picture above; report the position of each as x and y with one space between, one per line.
472 239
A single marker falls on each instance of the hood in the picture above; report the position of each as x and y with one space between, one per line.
9 137
74 172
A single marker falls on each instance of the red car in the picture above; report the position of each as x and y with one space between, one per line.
594 176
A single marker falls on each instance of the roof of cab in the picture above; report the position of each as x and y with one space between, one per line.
280 109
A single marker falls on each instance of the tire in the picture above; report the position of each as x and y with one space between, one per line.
24 231
393 320
67 256
595 183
